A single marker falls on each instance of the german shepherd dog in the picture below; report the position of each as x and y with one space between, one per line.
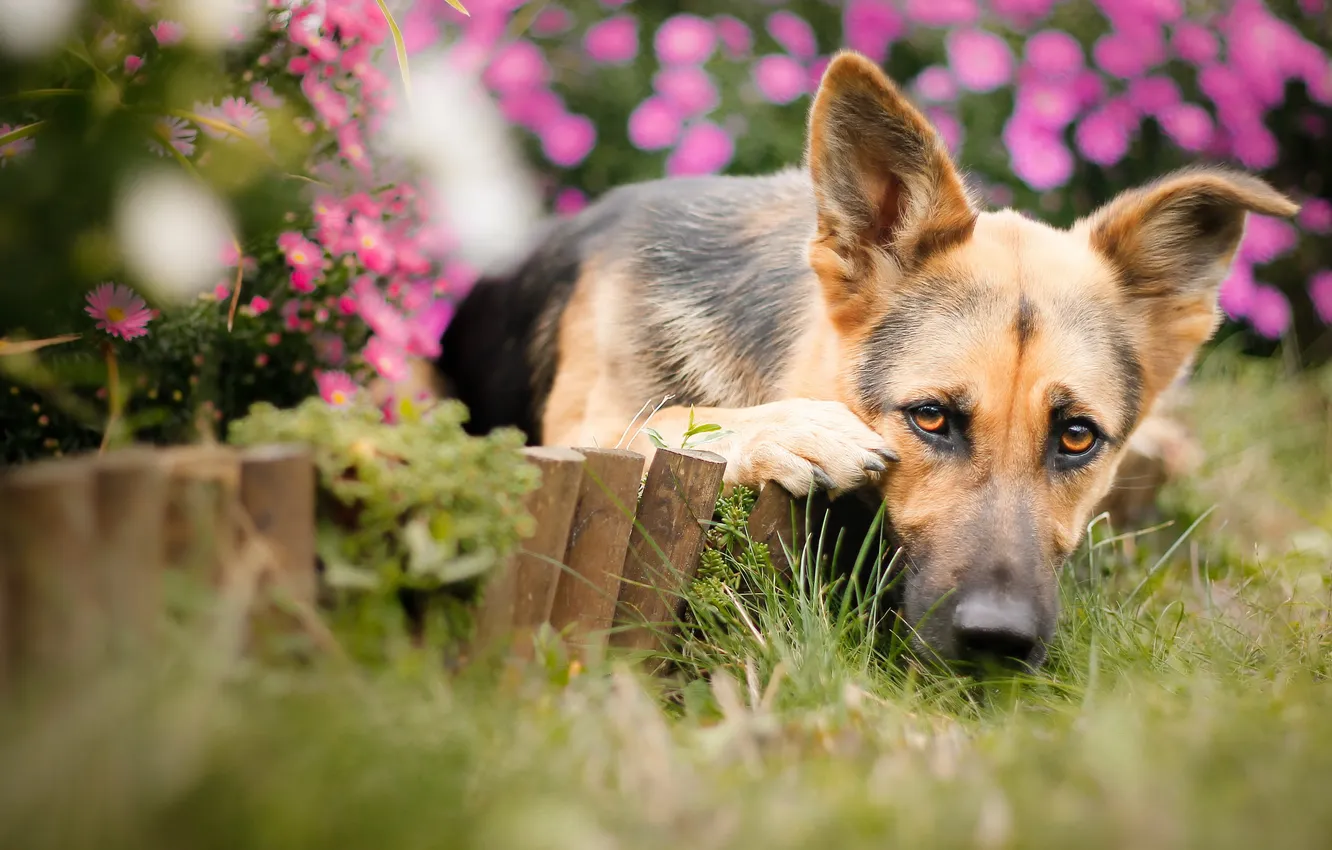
863 323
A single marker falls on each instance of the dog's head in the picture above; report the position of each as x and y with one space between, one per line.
1006 361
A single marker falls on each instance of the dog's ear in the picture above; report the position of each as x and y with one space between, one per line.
884 185
1171 243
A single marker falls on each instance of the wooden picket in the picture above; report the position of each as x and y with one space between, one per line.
84 543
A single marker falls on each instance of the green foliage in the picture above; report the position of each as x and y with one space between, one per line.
417 506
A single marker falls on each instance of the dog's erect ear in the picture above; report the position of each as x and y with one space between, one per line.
1172 243
883 181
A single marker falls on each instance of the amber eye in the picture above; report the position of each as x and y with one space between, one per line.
929 418
1077 439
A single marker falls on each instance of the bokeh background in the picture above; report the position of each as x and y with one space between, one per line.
285 212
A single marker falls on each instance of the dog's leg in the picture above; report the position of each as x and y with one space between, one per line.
798 443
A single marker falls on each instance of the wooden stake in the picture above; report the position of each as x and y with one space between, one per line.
517 599
131 500
277 490
679 497
778 520
203 493
585 596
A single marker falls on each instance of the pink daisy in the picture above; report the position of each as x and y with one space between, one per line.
568 140
1265 239
980 60
133 64
390 362
570 201
1316 215
780 79
1320 292
1188 125
871 25
704 149
13 149
1269 312
1054 54
336 388
654 124
119 311
935 84
175 132
736 38
942 13
685 39
246 117
264 95
794 34
689 87
259 305
1194 43
518 65
613 41
1103 136
167 33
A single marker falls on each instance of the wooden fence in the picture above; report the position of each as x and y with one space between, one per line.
84 543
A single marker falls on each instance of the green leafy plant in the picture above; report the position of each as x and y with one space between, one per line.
704 432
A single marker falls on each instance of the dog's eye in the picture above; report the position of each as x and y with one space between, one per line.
1077 438
929 418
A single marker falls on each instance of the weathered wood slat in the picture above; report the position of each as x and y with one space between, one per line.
518 598
678 499
277 490
131 504
587 593
203 495
779 521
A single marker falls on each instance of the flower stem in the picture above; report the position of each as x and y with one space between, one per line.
113 404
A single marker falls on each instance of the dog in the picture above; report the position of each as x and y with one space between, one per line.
862 322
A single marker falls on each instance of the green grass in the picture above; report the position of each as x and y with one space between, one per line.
1190 709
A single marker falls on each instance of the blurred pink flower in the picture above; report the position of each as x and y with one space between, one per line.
426 326
291 315
793 33
389 361
372 246
704 149
357 19
328 348
330 105
1054 54
814 73
1103 136
613 41
1038 156
259 305
654 124
1269 311
735 35
133 64
264 95
779 78
935 84
941 13
1048 105
336 388
685 39
174 131
551 20
689 88
1129 54
303 280
570 201
531 108
1188 125
352 148
1254 146
1237 291
1315 215
1194 43
949 128
980 60
167 33
517 66
246 117
1151 95
1312 7
1320 292
1265 239
568 139
870 26
1022 13
1089 89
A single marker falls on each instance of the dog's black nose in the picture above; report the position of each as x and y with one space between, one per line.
993 629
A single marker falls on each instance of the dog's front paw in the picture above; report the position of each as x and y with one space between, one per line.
806 445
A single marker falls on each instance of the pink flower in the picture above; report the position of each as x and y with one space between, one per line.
167 33
330 105
259 305
1265 239
948 127
532 108
1269 312
336 388
568 140
222 291
613 41
1088 88
372 246
1054 54
1048 105
1152 95
1188 125
941 13
352 148
133 64
780 79
519 65
980 60
390 362
551 20
1038 156
1255 146
303 280
1022 14
380 316
426 327
869 26
1316 215
291 315
935 84
570 201
1237 291
1129 54
347 305
1320 292
119 311
264 95
1194 43
689 88
793 33
14 149
245 117
300 252
328 348
1103 136
736 38
685 39
175 132
704 149
654 124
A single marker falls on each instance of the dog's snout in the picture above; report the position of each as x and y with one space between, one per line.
992 628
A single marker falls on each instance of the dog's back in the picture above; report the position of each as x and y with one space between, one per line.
701 285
